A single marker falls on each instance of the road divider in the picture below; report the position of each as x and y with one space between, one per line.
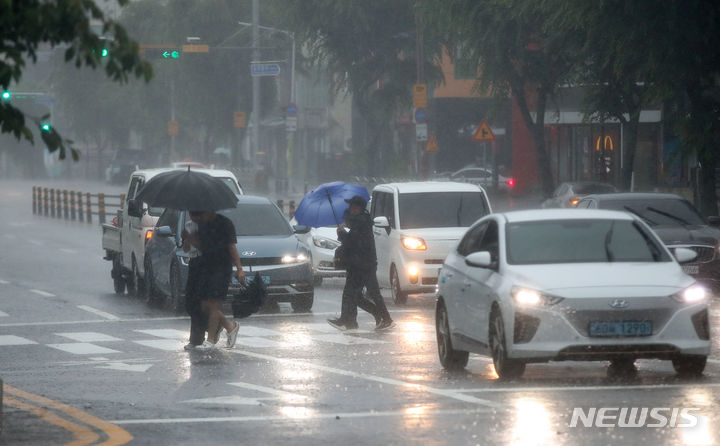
74 205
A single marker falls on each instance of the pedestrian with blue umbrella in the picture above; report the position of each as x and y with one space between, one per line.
325 205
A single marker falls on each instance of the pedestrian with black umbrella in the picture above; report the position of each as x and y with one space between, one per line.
214 240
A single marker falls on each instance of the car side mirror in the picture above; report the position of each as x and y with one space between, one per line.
481 259
134 209
164 231
684 255
301 229
381 222
714 221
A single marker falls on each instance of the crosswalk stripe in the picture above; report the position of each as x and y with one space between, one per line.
89 336
3 314
14 340
82 348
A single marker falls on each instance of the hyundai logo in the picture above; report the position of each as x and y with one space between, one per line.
619 303
248 253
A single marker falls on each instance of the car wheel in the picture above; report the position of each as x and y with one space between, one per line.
399 296
177 297
303 304
150 292
317 280
138 284
118 280
450 358
689 365
505 367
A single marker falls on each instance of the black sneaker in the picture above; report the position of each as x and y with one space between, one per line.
385 325
342 325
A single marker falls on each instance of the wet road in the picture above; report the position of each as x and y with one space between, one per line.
81 364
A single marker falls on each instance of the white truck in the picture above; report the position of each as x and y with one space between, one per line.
124 239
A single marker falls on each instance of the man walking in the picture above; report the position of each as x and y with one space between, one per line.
361 267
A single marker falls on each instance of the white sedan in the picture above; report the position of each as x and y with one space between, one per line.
536 286
322 242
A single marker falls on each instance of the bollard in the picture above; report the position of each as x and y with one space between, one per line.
66 209
89 207
34 201
101 207
80 206
45 200
58 211
291 209
73 216
53 208
280 204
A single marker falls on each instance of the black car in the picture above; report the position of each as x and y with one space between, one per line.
266 244
567 195
677 223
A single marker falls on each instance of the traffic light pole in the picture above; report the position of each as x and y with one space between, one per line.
255 134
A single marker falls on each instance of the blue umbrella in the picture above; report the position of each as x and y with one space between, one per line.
324 205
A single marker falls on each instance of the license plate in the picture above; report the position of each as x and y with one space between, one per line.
691 269
624 328
265 279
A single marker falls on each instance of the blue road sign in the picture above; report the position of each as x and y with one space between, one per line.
264 69
420 115
291 109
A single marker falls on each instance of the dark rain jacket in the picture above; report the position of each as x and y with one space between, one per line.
359 244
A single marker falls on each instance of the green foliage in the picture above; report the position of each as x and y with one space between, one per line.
29 24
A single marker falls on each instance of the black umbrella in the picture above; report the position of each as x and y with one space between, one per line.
186 189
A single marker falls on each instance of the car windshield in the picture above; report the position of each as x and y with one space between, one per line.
440 209
665 212
258 220
594 188
581 241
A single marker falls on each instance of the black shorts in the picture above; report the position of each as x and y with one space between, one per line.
209 281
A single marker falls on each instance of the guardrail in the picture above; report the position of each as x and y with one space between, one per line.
73 205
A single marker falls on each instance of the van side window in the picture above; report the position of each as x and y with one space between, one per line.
378 201
135 185
390 209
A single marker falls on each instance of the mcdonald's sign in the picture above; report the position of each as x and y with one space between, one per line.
604 143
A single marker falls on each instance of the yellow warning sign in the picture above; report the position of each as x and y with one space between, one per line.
173 128
483 133
432 145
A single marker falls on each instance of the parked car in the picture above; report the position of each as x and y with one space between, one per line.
124 242
568 195
322 242
552 285
482 176
266 244
677 223
416 224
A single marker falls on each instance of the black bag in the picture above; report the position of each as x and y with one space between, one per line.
339 261
252 296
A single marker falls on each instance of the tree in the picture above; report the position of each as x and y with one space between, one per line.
369 49
29 24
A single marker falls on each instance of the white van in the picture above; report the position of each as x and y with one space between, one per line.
125 244
416 225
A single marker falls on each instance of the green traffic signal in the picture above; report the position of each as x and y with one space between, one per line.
6 95
45 127
104 52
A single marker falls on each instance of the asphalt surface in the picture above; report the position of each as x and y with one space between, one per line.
82 365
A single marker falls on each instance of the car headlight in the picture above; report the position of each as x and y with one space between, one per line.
300 258
414 243
325 243
692 294
530 297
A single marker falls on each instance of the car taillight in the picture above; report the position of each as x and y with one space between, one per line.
148 235
510 182
115 221
574 201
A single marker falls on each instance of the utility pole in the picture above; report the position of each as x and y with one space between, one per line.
255 134
420 74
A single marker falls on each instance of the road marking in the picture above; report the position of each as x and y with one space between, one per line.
410 412
89 336
587 388
251 341
3 314
241 400
166 333
68 250
108 316
123 367
390 381
34 242
116 436
10 236
83 435
42 293
168 345
15 340
82 348
4 282
346 340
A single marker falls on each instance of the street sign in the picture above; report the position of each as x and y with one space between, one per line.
173 128
196 48
420 95
264 69
292 109
421 132
291 123
239 120
420 116
483 133
432 145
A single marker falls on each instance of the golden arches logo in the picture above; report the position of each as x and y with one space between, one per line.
608 144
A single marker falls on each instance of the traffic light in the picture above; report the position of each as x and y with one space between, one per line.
6 95
104 52
46 127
